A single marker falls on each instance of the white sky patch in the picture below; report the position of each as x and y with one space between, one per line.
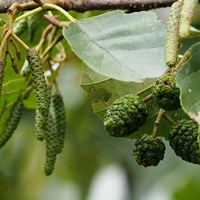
109 183
190 90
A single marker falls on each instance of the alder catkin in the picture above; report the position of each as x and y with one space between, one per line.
39 82
12 123
187 12
60 119
172 38
41 121
51 146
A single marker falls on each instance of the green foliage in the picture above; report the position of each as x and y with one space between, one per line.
183 139
10 94
188 81
149 150
132 49
12 122
125 116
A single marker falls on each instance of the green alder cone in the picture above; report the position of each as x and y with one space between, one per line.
60 120
125 116
183 139
166 93
39 82
12 123
149 150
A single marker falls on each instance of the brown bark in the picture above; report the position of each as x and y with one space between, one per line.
85 5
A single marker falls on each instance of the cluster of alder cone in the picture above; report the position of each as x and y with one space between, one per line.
127 114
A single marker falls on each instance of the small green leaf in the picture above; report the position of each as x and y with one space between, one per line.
10 94
131 49
2 22
188 81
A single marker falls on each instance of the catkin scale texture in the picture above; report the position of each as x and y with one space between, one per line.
149 150
60 119
183 139
125 116
187 13
166 93
172 38
51 145
41 88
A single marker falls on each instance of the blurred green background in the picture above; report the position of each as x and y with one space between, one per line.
92 166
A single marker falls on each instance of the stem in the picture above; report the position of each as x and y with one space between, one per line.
20 41
149 87
86 5
147 98
47 6
51 45
6 36
43 37
183 59
168 118
18 53
28 14
157 122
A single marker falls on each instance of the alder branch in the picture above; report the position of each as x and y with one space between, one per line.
85 5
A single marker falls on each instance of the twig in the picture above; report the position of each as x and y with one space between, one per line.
157 122
85 5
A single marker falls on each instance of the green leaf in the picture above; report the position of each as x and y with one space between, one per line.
127 47
103 91
10 94
2 22
188 81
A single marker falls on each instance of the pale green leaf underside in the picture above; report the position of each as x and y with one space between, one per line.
127 47
188 80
